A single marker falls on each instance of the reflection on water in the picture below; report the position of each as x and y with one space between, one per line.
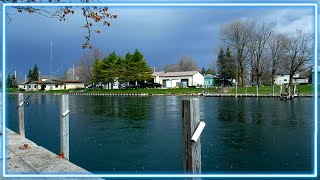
143 134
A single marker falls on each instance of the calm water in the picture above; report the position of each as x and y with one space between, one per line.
144 135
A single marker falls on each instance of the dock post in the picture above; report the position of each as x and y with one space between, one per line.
294 90
289 91
236 89
64 126
246 90
257 90
190 122
273 90
21 115
280 89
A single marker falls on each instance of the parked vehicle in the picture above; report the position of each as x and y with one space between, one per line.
149 85
130 86
156 85
145 85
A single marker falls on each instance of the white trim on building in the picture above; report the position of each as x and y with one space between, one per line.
285 78
174 79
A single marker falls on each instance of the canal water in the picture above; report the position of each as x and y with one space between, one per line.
144 135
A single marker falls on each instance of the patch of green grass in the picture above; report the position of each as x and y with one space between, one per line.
265 90
150 91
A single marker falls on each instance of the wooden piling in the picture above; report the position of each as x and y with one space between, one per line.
273 90
246 90
190 121
21 114
236 89
64 126
289 92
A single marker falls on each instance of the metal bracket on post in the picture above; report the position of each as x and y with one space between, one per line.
65 113
198 131
21 104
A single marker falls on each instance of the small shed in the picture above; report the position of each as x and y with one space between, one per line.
210 80
179 79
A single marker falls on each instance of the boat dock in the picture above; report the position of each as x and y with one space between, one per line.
26 157
249 95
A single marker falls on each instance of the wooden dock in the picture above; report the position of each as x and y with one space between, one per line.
250 95
35 159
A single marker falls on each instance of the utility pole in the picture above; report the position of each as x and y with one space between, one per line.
73 73
51 61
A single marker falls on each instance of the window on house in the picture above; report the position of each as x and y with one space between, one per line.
29 86
285 80
35 86
24 86
56 86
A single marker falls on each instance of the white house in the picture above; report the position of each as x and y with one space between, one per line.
173 79
50 85
73 84
283 78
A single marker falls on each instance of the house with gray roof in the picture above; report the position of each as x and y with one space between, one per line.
178 79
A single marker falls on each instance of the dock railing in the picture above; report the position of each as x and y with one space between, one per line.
64 123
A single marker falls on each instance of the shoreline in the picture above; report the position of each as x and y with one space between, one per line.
165 94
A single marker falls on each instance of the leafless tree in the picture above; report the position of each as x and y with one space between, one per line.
94 16
237 36
276 49
299 53
84 65
171 68
258 42
185 63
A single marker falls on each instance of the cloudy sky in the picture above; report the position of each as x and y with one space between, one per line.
162 34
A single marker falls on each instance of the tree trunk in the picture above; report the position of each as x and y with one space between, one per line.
238 72
291 79
252 77
242 73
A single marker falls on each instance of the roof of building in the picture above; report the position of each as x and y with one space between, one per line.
207 76
44 82
175 74
157 73
72 81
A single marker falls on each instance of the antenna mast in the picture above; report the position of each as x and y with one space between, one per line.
51 61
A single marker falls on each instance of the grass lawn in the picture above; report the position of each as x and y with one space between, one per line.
265 90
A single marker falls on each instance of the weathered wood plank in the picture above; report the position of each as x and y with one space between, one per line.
64 126
21 114
190 121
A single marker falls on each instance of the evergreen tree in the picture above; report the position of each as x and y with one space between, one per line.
9 81
35 73
203 71
13 81
30 75
230 65
113 67
221 64
97 72
226 65
210 71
